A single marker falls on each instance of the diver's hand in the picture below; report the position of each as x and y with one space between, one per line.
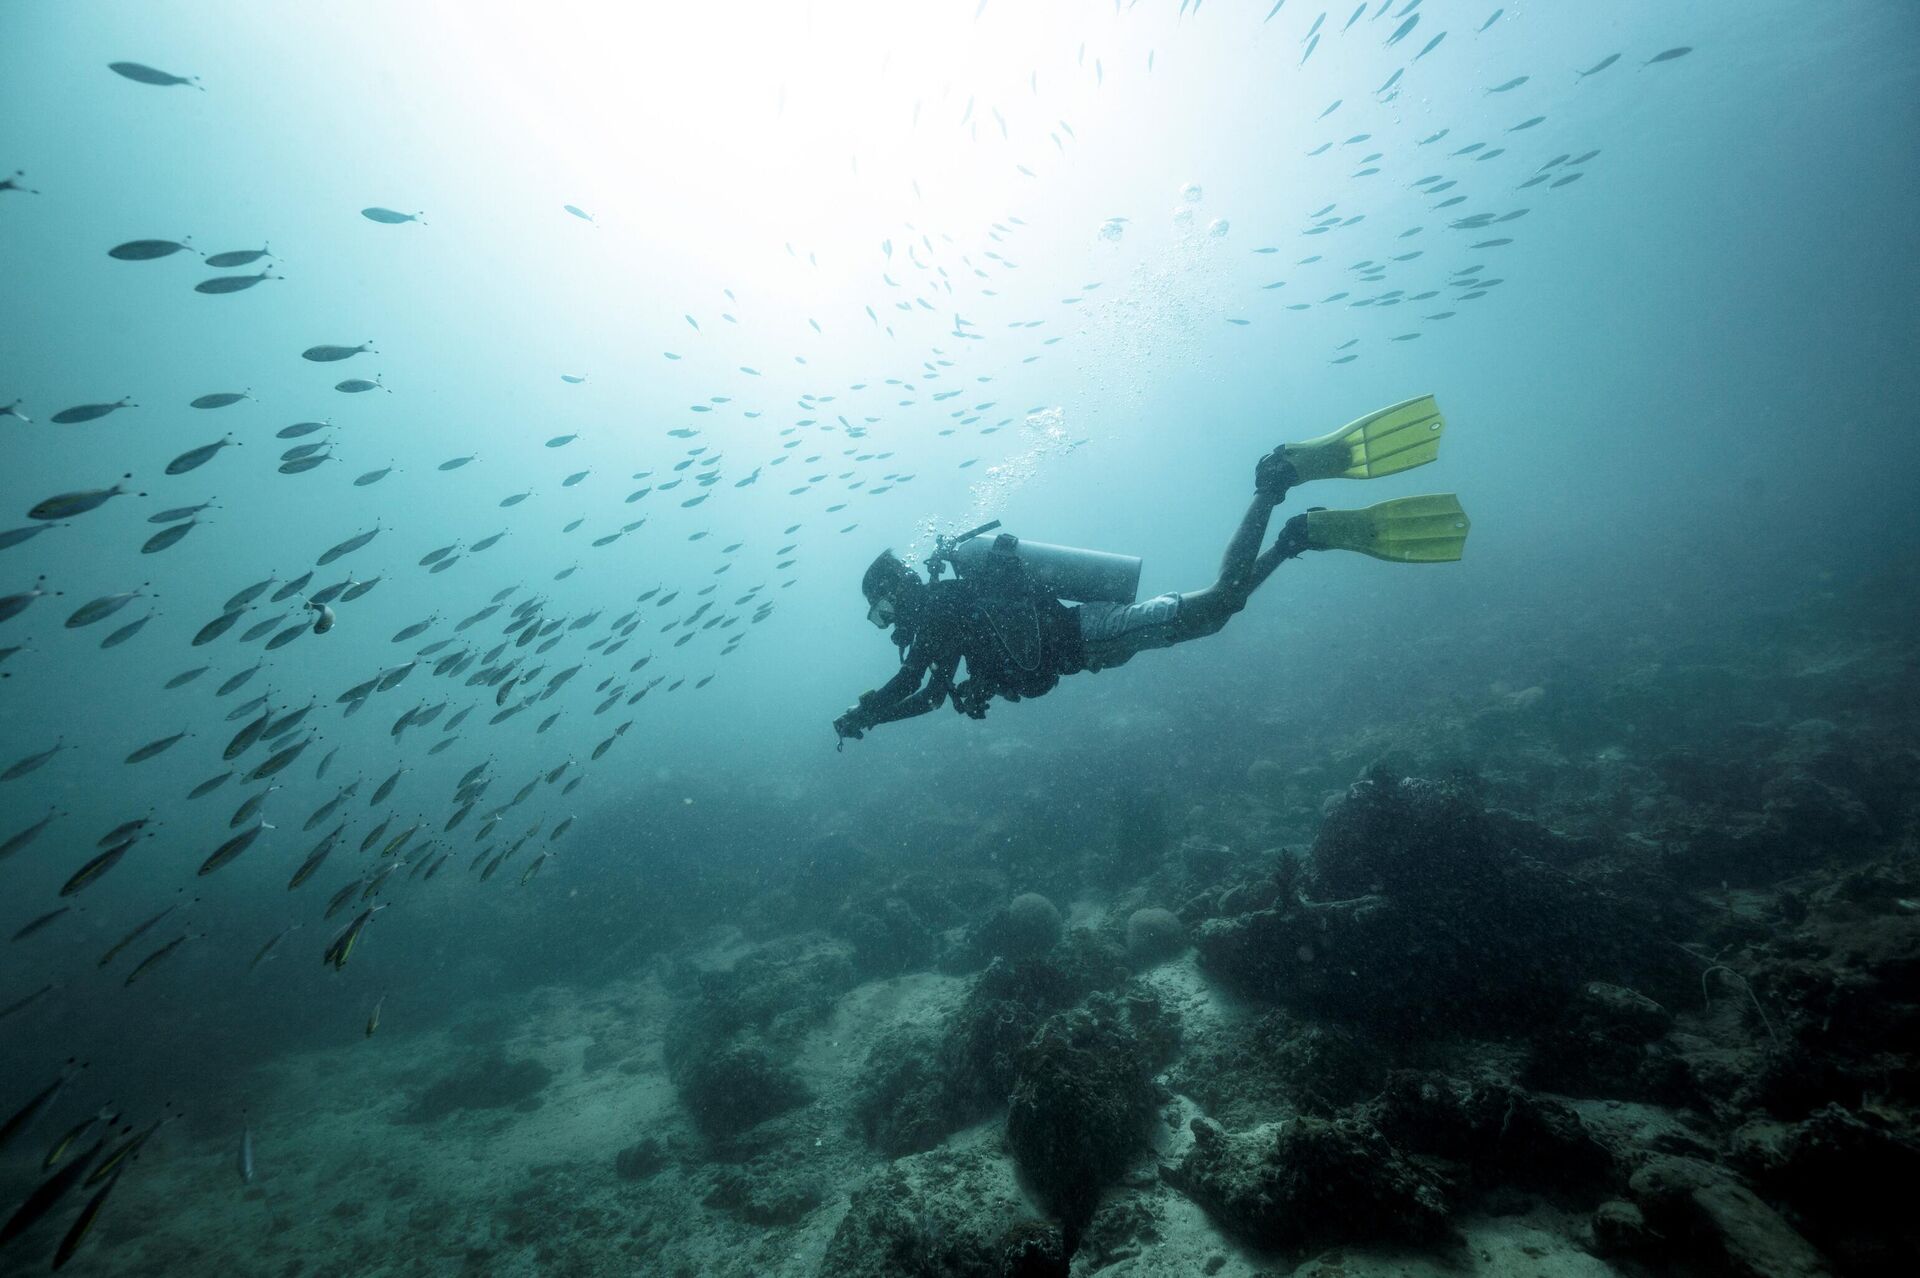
845 726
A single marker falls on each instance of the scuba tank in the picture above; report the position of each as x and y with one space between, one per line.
1065 572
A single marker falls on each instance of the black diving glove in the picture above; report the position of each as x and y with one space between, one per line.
848 726
1293 539
1274 474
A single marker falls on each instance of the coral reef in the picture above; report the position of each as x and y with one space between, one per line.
1612 1000
1419 912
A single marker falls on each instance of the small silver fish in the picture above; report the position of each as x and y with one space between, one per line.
233 283
101 608
244 1163
238 257
140 73
331 354
90 412
259 958
221 399
148 250
194 458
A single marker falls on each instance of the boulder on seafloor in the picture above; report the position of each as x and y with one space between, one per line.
1253 1071
1619 1229
1026 927
1419 912
1492 1134
1848 1176
888 936
1311 1182
1808 795
1033 924
952 1211
736 1087
900 925
920 1084
1609 1041
1706 1215
732 1029
488 1080
1083 1096
765 1192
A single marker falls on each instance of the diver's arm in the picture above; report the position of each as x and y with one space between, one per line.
931 697
898 688
883 705
878 701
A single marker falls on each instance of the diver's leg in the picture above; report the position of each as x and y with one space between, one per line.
1236 566
1204 612
1272 476
1291 542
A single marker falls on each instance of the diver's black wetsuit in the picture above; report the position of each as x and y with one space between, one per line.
1013 647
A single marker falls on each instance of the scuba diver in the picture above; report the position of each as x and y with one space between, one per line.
1004 613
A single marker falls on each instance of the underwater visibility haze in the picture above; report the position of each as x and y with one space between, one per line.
1434 782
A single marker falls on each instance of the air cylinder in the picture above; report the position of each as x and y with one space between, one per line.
1066 572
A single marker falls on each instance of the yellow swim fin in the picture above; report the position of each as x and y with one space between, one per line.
1409 530
1382 443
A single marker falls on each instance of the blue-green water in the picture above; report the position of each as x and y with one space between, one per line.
842 275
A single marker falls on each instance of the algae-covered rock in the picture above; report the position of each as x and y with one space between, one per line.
1311 1182
1608 1042
888 936
1494 1133
489 1080
951 1212
1127 1224
1619 1229
736 1087
1274 1065
1708 1216
763 1193
919 1085
1033 1249
1026 927
1421 913
1082 1098
781 988
905 1100
1849 1178
729 1036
